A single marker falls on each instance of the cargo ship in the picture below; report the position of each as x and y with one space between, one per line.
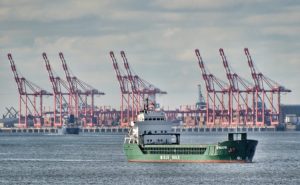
70 129
151 139
70 126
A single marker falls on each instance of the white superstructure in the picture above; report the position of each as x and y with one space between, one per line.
152 127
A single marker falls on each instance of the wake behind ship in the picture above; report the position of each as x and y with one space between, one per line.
151 140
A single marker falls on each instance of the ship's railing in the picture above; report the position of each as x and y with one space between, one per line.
131 140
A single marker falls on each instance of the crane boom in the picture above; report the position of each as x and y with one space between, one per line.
209 79
50 73
67 73
229 74
121 78
203 70
253 71
18 80
129 73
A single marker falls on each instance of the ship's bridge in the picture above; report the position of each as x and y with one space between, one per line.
151 116
153 128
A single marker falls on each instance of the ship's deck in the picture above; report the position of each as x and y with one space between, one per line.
178 146
175 149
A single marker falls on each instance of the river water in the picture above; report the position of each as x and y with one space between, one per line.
99 159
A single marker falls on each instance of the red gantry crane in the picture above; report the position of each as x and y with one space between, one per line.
139 92
240 109
28 95
60 89
126 95
136 96
216 92
141 89
79 93
266 108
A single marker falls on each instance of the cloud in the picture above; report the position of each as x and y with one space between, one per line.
191 4
292 31
51 10
159 38
285 16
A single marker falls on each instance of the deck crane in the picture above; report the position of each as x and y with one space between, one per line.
80 91
141 89
58 85
126 95
28 94
240 109
215 100
265 90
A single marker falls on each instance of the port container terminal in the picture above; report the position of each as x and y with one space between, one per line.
124 130
248 105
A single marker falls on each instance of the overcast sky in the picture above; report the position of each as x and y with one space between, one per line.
159 38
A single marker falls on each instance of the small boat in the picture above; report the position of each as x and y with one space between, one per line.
70 129
70 126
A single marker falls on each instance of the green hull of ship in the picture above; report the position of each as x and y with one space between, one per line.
239 151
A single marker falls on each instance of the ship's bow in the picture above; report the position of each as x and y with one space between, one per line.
241 150
250 150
